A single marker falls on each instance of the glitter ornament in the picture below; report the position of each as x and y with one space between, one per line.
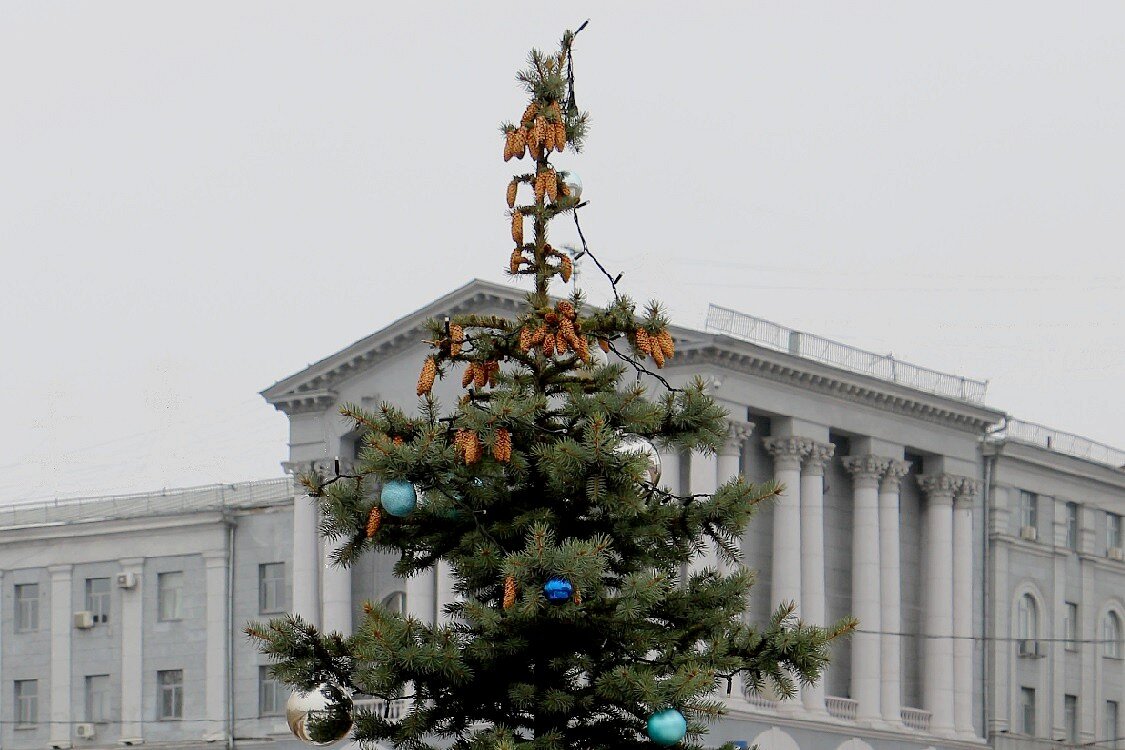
398 497
667 727
631 444
573 185
558 590
314 706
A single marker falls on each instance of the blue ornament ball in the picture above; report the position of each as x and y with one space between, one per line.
573 185
398 497
558 590
667 727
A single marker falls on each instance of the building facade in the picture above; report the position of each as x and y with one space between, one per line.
982 557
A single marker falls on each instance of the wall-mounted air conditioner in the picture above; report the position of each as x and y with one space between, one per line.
1116 553
126 580
84 620
84 731
1029 533
1029 647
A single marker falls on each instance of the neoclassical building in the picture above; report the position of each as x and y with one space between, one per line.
983 557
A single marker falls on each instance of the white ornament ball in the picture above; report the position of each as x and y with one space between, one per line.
636 444
313 705
573 186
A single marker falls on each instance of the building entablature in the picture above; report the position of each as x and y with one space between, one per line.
1050 472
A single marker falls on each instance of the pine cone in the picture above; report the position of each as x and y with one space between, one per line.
551 183
480 375
512 186
540 187
567 333
560 135
426 377
525 339
517 227
472 448
398 440
582 347
502 446
509 592
644 345
566 268
509 145
566 308
456 338
549 344
470 373
603 344
548 136
534 148
539 131
561 344
492 372
516 261
374 518
539 336
657 356
577 596
529 114
519 143
666 343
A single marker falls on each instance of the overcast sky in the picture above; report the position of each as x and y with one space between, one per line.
199 199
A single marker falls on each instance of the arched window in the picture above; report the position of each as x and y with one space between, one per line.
1111 635
1027 619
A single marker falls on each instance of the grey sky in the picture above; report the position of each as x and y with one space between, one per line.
198 199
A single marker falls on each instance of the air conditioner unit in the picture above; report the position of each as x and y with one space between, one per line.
1028 647
85 731
84 620
1029 533
1116 553
126 580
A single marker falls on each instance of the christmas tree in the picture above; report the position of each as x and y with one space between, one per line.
581 619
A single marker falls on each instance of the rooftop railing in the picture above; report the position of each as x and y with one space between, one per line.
1062 442
167 502
810 346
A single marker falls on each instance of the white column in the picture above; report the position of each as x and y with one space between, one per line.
132 652
787 453
215 661
702 480
813 606
61 625
445 593
963 607
728 467
306 578
890 589
336 596
937 562
421 595
867 607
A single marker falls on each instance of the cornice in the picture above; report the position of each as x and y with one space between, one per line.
809 375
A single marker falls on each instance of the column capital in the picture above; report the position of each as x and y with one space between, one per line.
866 470
968 489
892 479
788 449
738 432
818 455
940 487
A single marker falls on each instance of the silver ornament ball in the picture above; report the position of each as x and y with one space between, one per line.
313 705
632 444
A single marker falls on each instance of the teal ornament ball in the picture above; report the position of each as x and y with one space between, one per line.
398 497
573 186
667 727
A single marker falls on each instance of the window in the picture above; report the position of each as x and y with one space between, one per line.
170 695
1111 733
1072 526
97 598
1070 717
27 703
1027 619
1029 509
1070 626
1111 635
170 594
271 587
271 695
97 698
1112 530
1027 711
27 607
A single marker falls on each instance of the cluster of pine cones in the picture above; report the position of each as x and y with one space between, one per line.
557 334
480 374
660 345
538 133
469 448
566 265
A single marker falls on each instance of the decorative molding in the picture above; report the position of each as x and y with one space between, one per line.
892 479
939 485
738 432
969 488
787 450
819 454
868 469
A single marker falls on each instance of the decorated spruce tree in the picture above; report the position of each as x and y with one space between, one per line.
581 619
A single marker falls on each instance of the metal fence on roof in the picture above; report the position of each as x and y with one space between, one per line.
1062 442
166 502
810 346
